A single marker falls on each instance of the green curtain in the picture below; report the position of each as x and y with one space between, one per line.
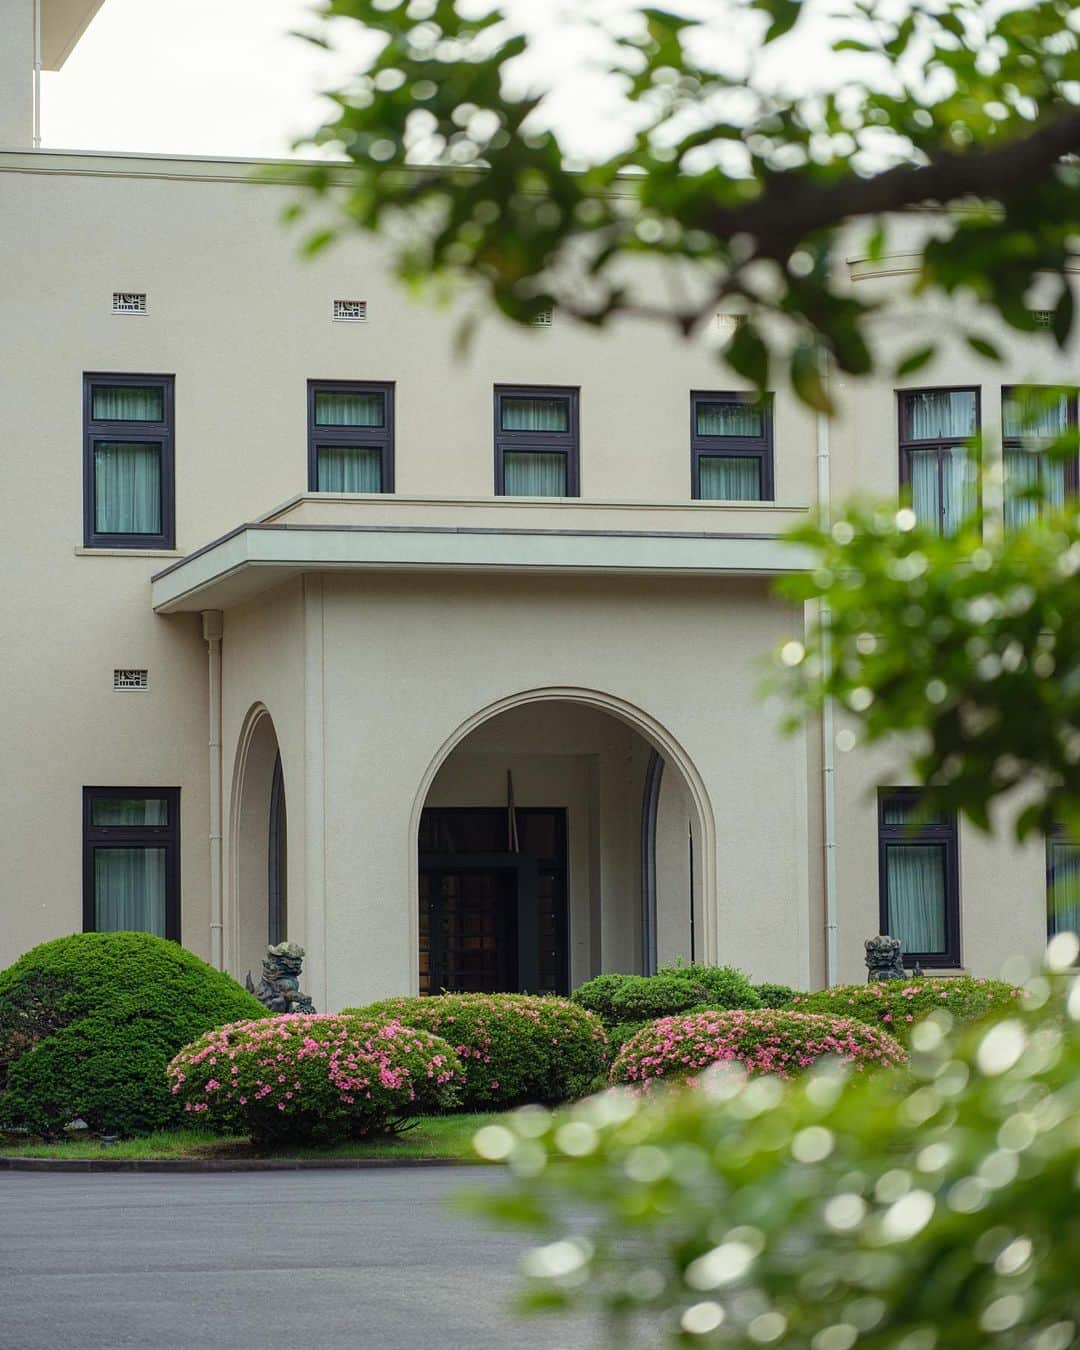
534 474
127 488
342 408
349 468
733 417
732 478
1064 886
129 811
116 403
915 886
535 414
129 890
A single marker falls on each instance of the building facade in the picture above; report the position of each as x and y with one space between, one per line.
448 669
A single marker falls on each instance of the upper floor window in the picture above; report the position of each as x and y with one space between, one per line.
350 437
731 447
1031 420
937 464
919 878
128 480
536 442
131 860
1062 883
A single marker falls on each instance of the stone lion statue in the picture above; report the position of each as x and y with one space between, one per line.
883 959
279 984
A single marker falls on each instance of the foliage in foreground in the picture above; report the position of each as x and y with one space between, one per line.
898 1005
894 1212
767 1040
314 1077
514 1048
89 1022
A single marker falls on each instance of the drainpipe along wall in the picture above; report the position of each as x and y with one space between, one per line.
213 628
828 732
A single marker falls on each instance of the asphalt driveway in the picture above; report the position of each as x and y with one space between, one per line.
368 1260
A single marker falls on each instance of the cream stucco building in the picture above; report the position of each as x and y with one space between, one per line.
446 668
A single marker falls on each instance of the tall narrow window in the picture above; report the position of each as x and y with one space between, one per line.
937 465
1031 420
918 878
131 860
731 447
1062 883
536 442
128 494
350 437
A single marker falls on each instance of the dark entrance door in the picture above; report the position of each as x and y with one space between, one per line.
491 920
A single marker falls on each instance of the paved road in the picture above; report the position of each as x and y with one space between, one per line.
365 1260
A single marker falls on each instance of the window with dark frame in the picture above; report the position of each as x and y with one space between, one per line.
731 447
1032 419
1062 883
938 468
919 878
128 461
131 860
537 451
350 436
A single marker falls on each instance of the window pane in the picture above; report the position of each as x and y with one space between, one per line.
127 488
925 495
349 468
961 493
730 417
529 474
535 414
350 408
129 890
941 413
1030 413
123 403
902 811
729 478
129 811
915 886
1064 887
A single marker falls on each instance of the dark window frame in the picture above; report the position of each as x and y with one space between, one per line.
732 447
1072 466
1059 835
134 836
945 833
566 442
907 443
162 433
380 438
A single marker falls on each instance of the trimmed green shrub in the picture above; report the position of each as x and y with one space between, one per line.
899 1004
598 996
618 999
317 1077
640 998
776 995
618 1035
724 986
514 1048
89 1022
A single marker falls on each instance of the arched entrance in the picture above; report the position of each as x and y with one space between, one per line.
559 834
259 844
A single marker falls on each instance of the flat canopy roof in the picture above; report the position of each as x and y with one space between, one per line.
63 23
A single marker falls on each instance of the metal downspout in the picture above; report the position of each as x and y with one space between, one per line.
213 627
35 130
828 734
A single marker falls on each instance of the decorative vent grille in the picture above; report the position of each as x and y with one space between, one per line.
542 320
1044 318
728 323
129 680
350 311
129 302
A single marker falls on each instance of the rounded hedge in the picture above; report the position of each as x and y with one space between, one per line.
319 1077
897 1004
764 1040
619 999
514 1048
724 986
89 1022
776 995
641 998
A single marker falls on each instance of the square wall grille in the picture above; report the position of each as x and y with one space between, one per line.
542 320
350 311
1044 318
129 302
727 323
129 680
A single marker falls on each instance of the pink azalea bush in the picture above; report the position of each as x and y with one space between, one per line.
897 1005
514 1048
764 1040
316 1077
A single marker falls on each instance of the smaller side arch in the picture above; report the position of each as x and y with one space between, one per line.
250 830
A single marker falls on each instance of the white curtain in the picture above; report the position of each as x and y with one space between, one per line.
732 478
915 882
534 473
1027 413
113 403
534 414
942 414
129 811
943 488
730 418
129 890
349 469
1065 886
127 488
344 408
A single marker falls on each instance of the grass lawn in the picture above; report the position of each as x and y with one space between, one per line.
448 1137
